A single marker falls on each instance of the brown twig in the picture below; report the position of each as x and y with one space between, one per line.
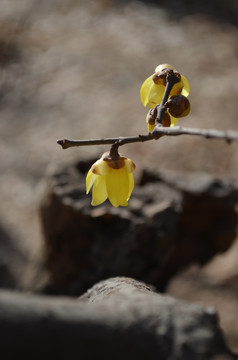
228 135
65 143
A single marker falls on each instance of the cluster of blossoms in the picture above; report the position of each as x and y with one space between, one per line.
112 175
152 91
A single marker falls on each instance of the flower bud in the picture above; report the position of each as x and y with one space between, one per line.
178 106
160 75
166 121
151 116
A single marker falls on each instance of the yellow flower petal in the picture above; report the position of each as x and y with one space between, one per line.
131 185
145 90
150 127
173 120
129 165
156 94
117 183
186 86
100 167
99 194
176 89
90 179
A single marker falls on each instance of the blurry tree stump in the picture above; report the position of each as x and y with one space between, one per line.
117 319
173 220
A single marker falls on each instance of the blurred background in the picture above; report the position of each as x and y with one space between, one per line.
73 69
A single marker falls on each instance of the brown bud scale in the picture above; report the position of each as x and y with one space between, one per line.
178 106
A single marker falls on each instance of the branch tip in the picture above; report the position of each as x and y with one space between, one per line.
62 143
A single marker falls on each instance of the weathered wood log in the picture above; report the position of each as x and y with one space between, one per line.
117 319
172 220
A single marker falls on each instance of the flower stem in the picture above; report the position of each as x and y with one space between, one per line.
114 150
170 81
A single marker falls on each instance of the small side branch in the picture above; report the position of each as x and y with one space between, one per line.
158 131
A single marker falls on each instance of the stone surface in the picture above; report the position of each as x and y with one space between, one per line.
172 220
119 318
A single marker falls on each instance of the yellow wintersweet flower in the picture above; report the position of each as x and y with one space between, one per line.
152 89
111 178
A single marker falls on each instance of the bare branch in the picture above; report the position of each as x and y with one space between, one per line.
228 135
65 143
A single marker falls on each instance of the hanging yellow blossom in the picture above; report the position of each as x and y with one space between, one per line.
111 178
